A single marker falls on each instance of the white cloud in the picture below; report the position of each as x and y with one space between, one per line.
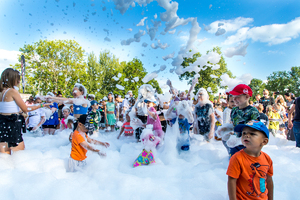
129 29
200 41
155 16
240 50
8 58
159 45
271 34
231 83
172 32
136 38
144 44
171 55
141 23
152 31
231 25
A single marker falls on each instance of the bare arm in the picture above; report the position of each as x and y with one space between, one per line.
96 142
231 184
40 124
88 147
212 125
290 124
270 187
61 100
122 129
19 101
152 114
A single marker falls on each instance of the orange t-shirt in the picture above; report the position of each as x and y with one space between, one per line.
251 174
77 151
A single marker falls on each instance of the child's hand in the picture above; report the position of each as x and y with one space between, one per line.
101 154
106 144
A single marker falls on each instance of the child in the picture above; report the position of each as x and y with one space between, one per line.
274 118
243 113
95 114
250 170
153 118
128 130
218 119
263 117
101 109
80 144
227 111
35 118
67 121
184 128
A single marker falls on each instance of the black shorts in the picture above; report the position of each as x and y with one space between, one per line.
11 127
49 126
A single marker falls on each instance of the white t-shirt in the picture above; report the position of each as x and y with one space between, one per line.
226 116
35 117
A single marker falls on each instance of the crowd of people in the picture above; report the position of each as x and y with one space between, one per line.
243 126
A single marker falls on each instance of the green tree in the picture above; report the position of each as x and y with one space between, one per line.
282 80
53 66
257 87
205 80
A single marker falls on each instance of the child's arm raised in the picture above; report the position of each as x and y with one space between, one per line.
96 142
122 129
270 187
231 188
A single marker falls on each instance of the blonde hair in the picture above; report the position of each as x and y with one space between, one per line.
9 78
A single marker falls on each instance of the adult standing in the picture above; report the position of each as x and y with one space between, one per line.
11 122
266 100
289 100
204 115
295 123
109 111
125 103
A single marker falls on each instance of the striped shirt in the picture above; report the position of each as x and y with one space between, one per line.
128 130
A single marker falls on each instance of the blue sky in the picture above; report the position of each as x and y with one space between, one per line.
269 31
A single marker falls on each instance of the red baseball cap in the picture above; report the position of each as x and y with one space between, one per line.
241 89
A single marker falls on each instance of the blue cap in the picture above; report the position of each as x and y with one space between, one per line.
258 125
94 102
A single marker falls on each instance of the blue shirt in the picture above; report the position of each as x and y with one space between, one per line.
79 109
53 120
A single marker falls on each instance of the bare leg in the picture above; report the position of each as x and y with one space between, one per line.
20 147
46 131
112 128
51 131
4 148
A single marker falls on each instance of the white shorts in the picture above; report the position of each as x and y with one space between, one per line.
75 165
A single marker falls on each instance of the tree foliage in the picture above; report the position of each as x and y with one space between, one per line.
205 80
257 87
53 66
282 80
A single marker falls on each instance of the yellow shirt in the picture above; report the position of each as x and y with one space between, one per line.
274 124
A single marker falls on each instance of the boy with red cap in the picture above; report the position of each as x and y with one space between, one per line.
243 112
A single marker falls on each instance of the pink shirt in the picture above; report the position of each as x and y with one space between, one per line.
156 123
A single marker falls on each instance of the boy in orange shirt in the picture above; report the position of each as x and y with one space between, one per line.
250 170
80 144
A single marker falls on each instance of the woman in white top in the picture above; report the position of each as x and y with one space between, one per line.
11 122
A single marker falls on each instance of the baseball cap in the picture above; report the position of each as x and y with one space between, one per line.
241 89
94 102
88 123
257 125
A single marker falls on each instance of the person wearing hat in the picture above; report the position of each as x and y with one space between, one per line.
95 113
250 170
80 143
243 112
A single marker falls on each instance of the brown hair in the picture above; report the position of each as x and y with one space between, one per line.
260 107
9 78
81 89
